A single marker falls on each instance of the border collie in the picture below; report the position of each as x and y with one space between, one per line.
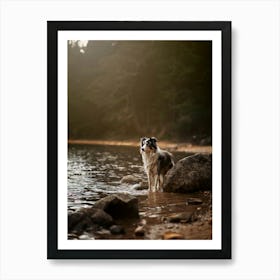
156 162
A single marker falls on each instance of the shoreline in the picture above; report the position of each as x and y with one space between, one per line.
179 147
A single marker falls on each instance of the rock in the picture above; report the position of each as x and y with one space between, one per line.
153 215
130 179
72 236
103 232
143 222
193 201
180 217
119 206
88 218
101 218
116 229
193 173
139 231
84 225
73 219
84 237
141 186
172 235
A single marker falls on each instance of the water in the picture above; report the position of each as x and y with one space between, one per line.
96 171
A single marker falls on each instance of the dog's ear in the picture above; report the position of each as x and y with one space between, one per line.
154 139
142 139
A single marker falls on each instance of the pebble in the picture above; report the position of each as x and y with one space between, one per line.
72 236
139 231
129 179
172 235
193 201
117 229
153 215
180 217
142 222
103 231
84 237
140 186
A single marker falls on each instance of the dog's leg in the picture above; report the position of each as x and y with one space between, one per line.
156 183
160 178
153 180
149 182
160 182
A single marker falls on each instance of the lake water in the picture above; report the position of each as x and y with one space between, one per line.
95 171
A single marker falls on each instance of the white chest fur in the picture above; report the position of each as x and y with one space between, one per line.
150 161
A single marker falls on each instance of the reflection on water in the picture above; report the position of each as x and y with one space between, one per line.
95 171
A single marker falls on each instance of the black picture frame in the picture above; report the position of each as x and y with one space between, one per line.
52 165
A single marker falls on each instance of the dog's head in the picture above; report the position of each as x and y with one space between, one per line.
148 144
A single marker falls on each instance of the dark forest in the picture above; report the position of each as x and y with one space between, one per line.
122 90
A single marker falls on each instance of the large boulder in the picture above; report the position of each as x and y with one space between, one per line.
119 206
101 218
193 173
88 218
74 218
80 225
101 214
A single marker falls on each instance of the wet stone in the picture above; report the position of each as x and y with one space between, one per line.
84 237
193 201
72 236
119 206
117 229
101 218
180 217
74 218
92 198
129 179
192 173
153 216
139 231
103 232
140 186
143 222
172 235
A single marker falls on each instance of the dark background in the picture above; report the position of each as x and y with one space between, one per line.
122 90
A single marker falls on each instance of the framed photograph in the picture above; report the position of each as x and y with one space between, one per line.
139 140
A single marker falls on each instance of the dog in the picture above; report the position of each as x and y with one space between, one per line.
156 162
